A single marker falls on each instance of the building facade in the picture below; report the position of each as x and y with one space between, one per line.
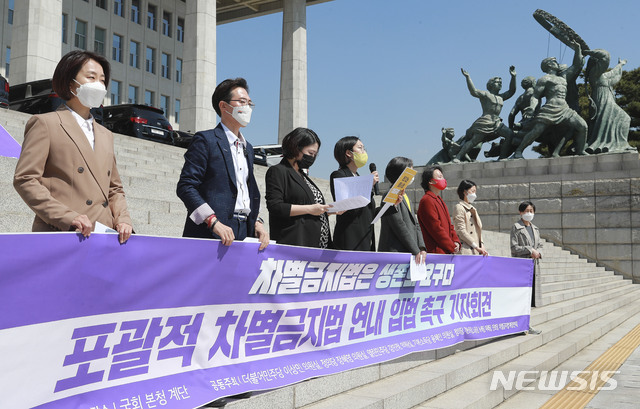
157 57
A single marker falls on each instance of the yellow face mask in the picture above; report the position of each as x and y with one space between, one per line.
360 159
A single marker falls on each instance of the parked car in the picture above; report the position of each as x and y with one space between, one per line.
267 155
38 97
4 92
182 139
140 121
35 97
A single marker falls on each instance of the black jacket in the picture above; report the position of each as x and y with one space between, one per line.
285 187
353 230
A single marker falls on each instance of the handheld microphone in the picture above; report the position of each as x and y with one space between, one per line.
372 168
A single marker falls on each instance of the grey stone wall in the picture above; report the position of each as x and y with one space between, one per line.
590 204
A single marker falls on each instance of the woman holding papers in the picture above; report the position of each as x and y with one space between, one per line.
400 231
67 171
297 210
466 220
353 230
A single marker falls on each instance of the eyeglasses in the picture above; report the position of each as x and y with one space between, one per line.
243 102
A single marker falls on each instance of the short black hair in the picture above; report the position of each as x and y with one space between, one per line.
296 140
464 185
395 167
223 92
427 175
68 68
523 206
342 146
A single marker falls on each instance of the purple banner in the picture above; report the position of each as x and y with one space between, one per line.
176 323
8 146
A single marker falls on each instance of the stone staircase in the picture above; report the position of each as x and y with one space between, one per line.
583 303
586 308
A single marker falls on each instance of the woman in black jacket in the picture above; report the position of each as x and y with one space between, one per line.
297 210
353 230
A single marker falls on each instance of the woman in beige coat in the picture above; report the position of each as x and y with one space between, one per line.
67 171
466 220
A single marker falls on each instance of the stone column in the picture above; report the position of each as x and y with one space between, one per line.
199 69
36 40
293 74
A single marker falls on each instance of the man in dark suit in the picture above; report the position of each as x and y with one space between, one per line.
217 184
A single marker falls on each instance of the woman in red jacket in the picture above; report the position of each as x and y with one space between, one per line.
433 215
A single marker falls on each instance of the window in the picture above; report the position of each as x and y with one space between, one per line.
118 8
10 12
117 48
133 94
151 60
134 54
149 96
180 30
166 66
102 4
164 104
115 92
135 11
176 116
81 34
166 23
178 70
98 41
151 17
65 21
7 62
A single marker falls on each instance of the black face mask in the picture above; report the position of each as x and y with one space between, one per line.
306 161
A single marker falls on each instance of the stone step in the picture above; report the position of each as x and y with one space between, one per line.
557 296
471 369
576 283
477 393
554 278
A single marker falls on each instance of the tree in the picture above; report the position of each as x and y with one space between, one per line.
628 97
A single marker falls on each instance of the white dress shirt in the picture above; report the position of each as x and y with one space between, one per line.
86 125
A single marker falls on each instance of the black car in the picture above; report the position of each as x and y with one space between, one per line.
4 92
35 97
38 97
182 139
140 121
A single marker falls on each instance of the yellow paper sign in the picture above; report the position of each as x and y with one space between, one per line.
403 181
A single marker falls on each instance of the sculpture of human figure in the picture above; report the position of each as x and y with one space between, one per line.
489 126
553 87
609 127
450 148
522 102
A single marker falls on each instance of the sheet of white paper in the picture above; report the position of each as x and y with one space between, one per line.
256 240
101 228
385 207
348 204
417 272
346 188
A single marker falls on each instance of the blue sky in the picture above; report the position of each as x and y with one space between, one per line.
389 71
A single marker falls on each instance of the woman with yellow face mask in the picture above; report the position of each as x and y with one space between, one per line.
353 230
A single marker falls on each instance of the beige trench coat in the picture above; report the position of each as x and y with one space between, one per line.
468 225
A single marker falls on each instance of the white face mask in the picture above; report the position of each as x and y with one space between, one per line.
471 197
242 114
90 94
527 217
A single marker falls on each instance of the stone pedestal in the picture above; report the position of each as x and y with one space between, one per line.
588 204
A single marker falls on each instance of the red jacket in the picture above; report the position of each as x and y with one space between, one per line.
435 222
